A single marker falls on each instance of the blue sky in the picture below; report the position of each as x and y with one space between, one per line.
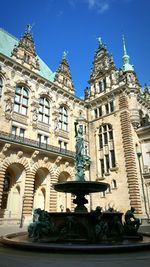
74 25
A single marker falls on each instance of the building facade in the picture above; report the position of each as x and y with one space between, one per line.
38 109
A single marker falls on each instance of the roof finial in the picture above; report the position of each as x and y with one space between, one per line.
124 45
126 59
100 41
29 28
65 53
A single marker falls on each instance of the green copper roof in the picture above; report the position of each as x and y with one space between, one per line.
7 43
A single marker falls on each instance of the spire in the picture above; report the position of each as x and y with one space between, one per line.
63 75
126 59
124 45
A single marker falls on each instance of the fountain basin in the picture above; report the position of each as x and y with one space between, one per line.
78 187
20 241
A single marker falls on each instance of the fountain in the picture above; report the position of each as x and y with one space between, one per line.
80 187
94 231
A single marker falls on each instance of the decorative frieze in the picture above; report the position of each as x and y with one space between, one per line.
20 118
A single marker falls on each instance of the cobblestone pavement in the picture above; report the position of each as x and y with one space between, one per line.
12 257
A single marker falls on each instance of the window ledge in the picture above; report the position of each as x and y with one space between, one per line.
107 173
114 169
100 179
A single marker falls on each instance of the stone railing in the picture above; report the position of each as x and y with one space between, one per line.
33 143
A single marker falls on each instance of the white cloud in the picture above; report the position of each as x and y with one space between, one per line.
100 5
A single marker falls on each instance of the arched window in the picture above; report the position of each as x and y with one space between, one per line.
105 137
63 118
21 100
1 86
44 110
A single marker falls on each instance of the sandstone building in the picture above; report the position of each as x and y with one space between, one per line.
38 109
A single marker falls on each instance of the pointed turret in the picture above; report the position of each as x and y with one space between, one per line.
102 75
25 52
126 59
63 76
102 61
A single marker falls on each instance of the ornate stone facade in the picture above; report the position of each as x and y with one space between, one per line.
37 139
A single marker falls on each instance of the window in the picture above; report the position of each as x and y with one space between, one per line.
44 110
111 105
21 100
105 137
42 140
17 131
102 166
14 130
94 89
45 139
100 141
39 139
112 156
100 111
65 145
102 85
22 132
107 108
62 145
1 86
63 118
104 82
107 163
110 132
95 113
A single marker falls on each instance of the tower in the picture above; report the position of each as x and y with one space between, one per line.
24 52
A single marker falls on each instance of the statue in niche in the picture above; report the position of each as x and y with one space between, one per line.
8 109
114 78
9 106
35 115
106 62
131 78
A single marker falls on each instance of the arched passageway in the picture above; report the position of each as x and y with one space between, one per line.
41 189
13 192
